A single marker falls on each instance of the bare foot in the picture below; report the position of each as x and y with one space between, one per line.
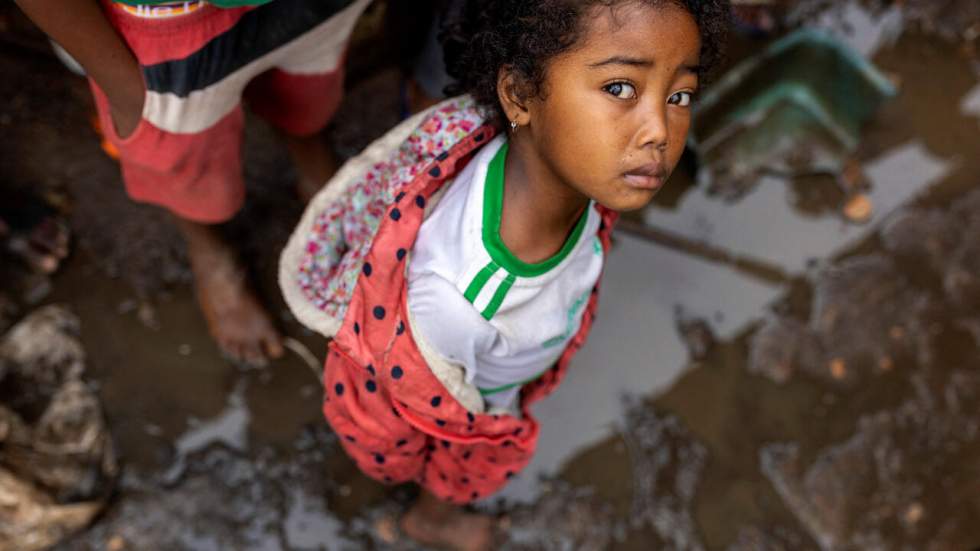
315 163
235 318
431 521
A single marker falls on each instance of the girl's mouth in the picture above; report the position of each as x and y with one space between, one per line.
649 176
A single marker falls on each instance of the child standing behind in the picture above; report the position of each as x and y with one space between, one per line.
456 262
168 79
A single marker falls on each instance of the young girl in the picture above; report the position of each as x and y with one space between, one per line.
456 261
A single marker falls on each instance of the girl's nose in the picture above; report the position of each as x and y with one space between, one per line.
653 127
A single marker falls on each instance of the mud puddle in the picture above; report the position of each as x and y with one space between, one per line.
764 375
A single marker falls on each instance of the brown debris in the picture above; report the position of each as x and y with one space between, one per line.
869 491
55 468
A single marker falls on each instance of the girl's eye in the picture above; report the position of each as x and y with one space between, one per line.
621 90
683 99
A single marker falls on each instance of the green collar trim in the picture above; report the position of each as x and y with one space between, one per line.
493 202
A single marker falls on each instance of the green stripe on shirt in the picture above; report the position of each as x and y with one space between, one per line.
498 297
481 279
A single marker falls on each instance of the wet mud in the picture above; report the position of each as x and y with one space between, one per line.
764 375
667 465
865 318
956 21
565 517
225 500
899 482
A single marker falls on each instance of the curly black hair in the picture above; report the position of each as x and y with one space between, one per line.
485 35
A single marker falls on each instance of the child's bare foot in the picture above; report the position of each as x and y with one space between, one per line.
237 321
431 521
235 318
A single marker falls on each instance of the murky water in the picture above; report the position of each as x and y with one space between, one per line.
763 375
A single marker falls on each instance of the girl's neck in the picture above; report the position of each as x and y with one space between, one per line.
539 210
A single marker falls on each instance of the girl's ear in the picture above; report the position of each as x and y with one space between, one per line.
511 99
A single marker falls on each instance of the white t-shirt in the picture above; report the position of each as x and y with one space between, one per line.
477 305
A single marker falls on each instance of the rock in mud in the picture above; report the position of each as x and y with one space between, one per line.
865 317
942 242
564 518
57 462
904 481
667 465
922 234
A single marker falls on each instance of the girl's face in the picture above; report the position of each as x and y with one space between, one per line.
614 112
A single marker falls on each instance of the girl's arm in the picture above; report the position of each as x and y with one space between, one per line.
81 28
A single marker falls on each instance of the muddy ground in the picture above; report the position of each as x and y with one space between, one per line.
764 375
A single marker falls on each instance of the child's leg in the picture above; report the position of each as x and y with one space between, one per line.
235 318
301 95
432 521
197 177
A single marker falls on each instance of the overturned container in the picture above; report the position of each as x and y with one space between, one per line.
796 108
